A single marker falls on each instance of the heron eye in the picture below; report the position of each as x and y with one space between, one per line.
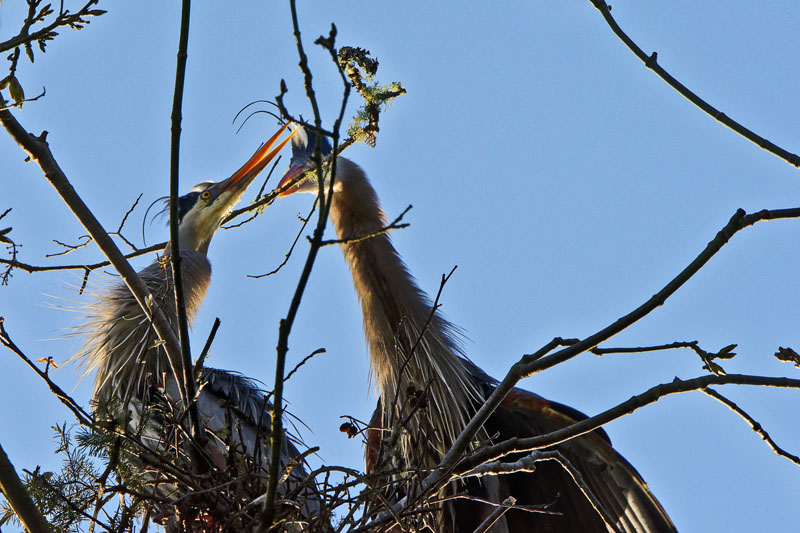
205 195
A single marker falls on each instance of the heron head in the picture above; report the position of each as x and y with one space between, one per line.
205 206
303 146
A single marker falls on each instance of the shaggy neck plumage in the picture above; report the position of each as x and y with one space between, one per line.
395 314
122 344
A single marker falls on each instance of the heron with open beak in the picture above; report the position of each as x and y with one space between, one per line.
133 370
428 385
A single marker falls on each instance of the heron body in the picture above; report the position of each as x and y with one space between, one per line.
426 381
136 381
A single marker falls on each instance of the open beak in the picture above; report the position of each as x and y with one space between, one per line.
290 176
243 177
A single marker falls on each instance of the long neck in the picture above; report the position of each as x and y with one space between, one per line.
121 343
414 352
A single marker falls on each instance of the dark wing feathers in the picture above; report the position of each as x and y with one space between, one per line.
248 400
614 482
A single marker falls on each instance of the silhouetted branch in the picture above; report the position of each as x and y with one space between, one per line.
577 477
288 254
118 233
707 357
187 384
652 395
38 150
651 62
529 364
19 103
597 350
528 464
83 417
285 328
754 425
87 269
11 246
198 367
434 308
64 18
255 204
495 515
70 247
31 269
538 361
14 491
393 225
303 361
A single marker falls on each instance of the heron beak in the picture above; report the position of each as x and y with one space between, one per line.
242 178
289 177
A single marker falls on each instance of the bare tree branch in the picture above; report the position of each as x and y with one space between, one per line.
395 224
754 425
651 62
63 19
82 416
652 395
285 328
31 269
187 384
495 515
530 364
14 491
38 150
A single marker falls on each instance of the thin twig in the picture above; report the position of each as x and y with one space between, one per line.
304 361
288 254
642 349
70 247
652 395
386 229
754 425
651 62
63 19
577 477
83 417
254 205
31 269
496 514
198 367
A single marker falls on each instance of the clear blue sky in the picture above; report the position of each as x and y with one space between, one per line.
564 179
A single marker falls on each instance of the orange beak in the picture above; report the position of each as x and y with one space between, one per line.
245 175
290 176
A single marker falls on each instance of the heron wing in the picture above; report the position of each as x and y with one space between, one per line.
555 501
617 486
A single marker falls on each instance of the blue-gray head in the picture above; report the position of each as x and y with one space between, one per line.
303 146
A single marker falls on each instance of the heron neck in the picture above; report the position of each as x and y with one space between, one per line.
124 347
190 241
402 333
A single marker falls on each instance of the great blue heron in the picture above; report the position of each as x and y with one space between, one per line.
396 314
134 379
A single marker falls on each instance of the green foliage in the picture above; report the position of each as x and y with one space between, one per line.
63 497
361 69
